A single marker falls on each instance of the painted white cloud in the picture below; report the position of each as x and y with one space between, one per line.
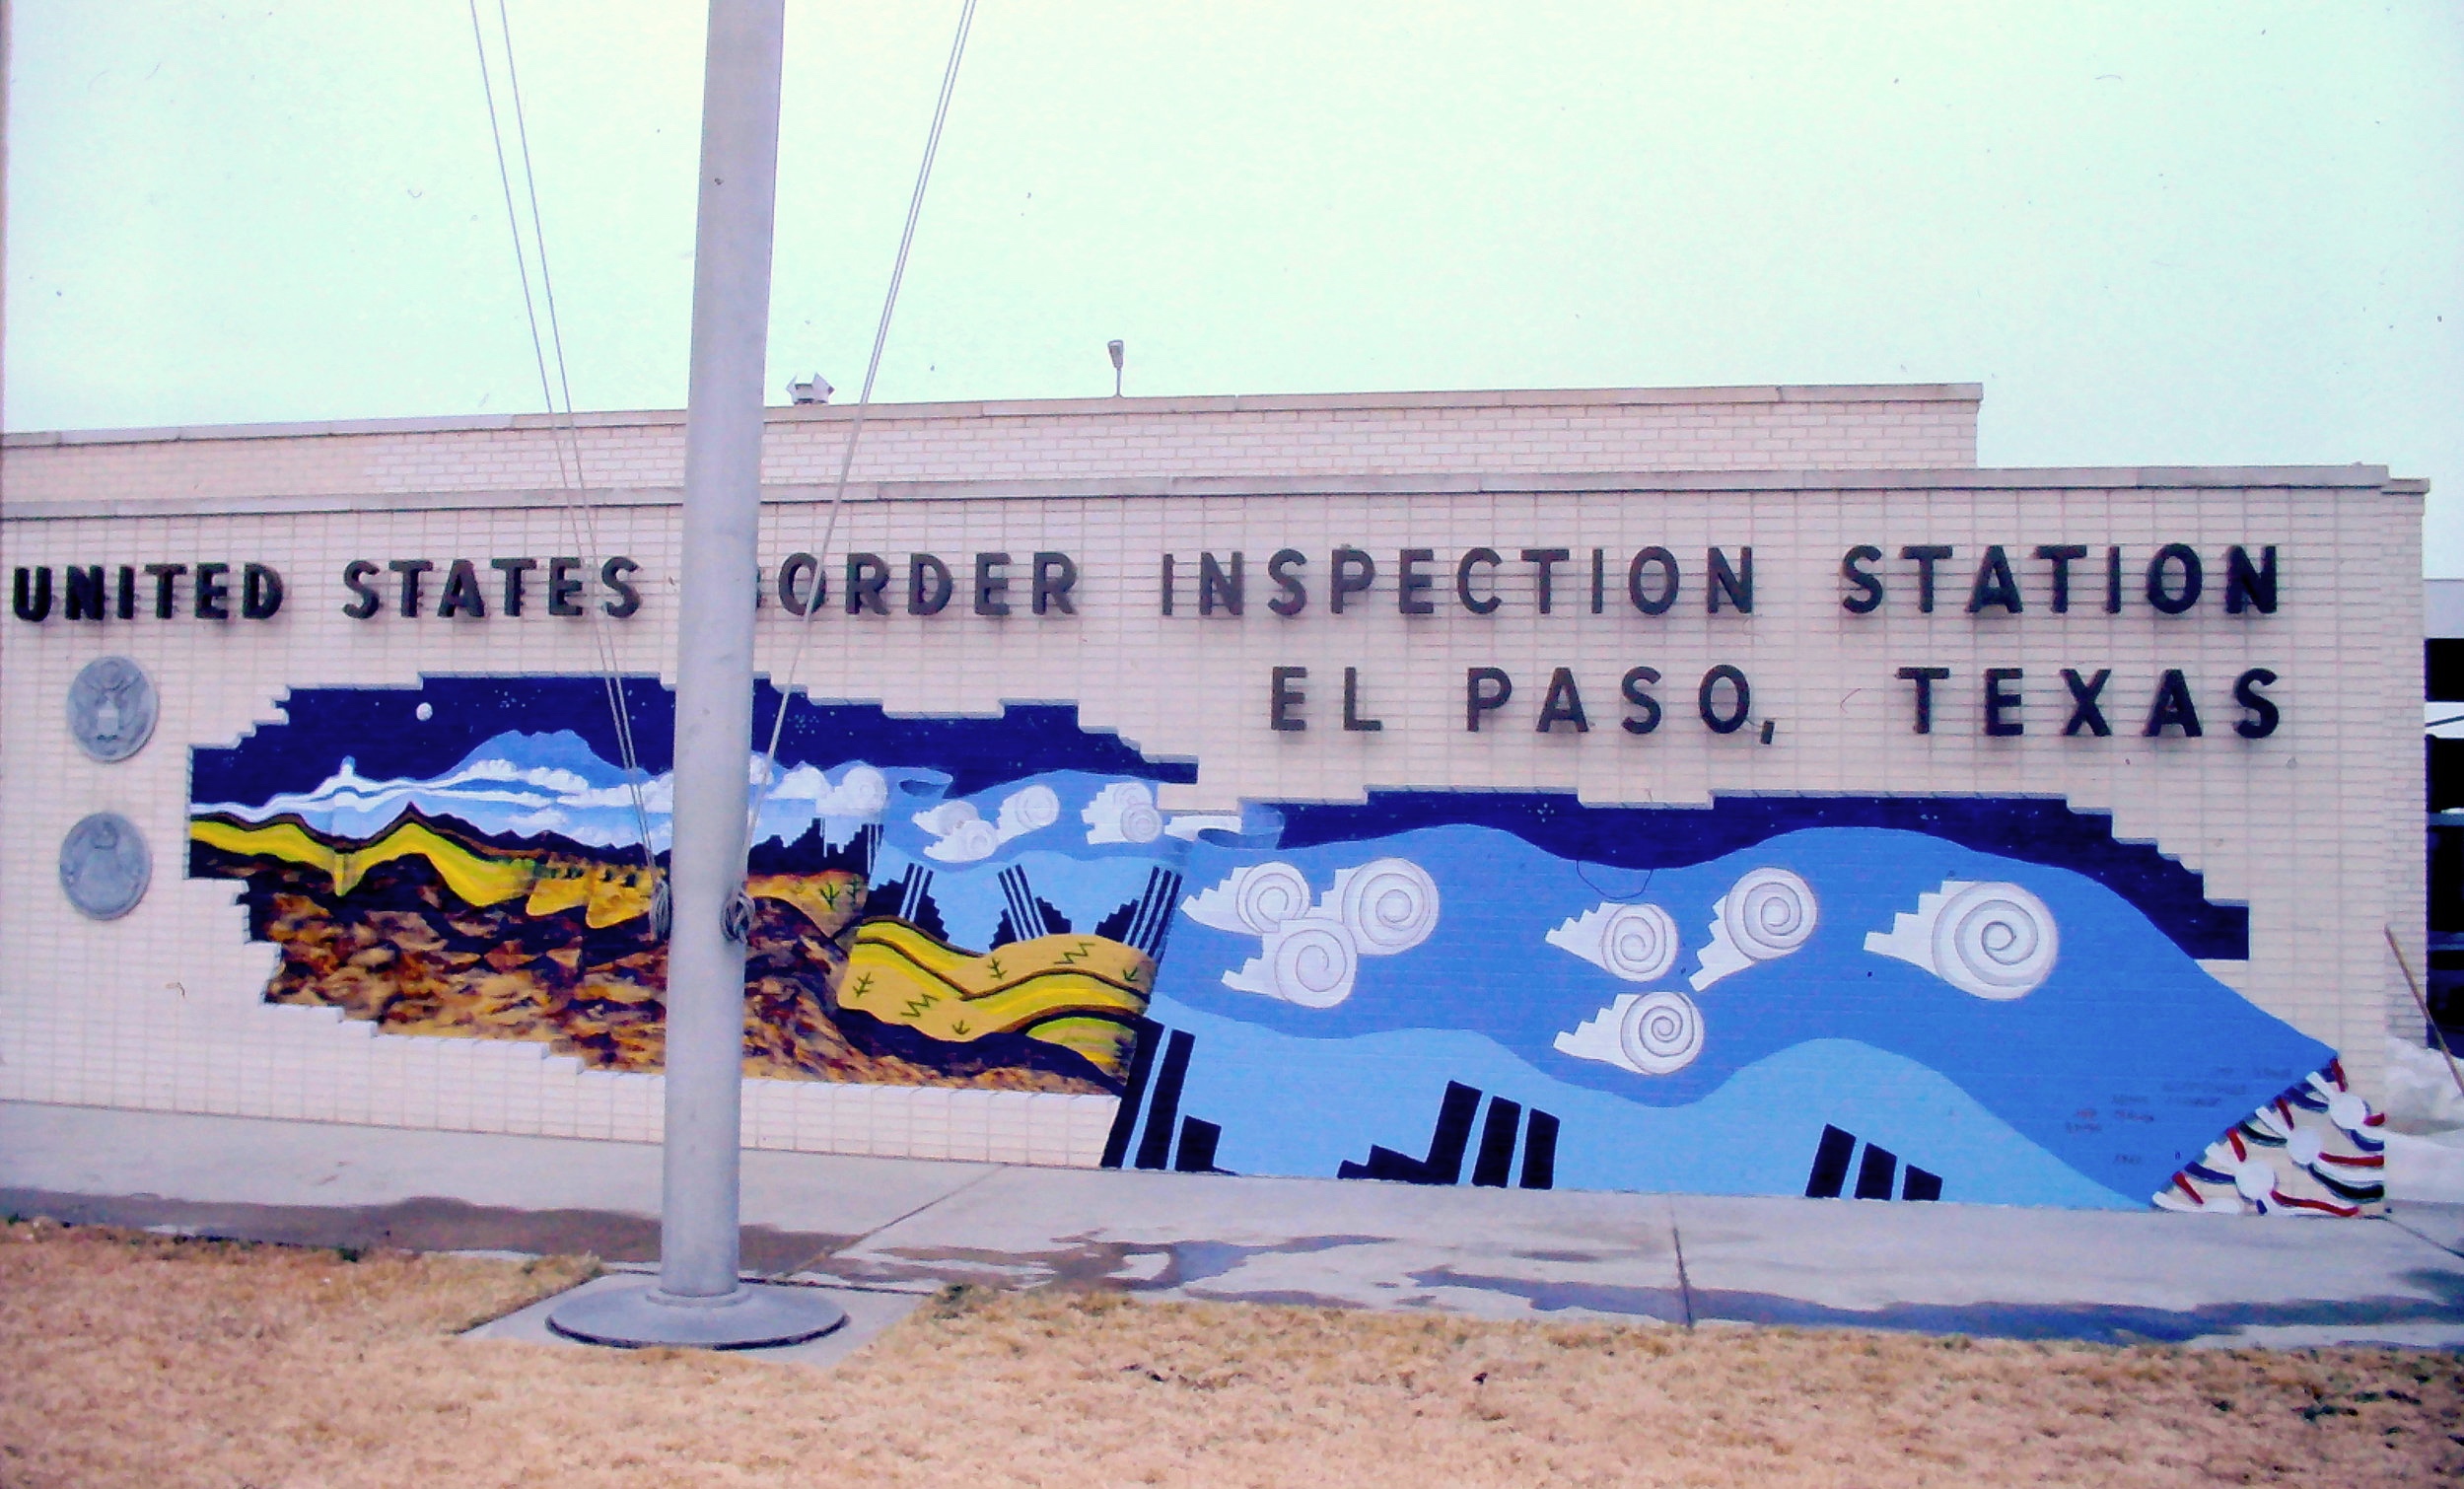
965 842
1030 809
1253 901
531 783
1994 941
1390 905
495 793
1649 1033
963 836
1767 914
658 796
860 794
545 777
1309 960
1634 942
960 835
1122 813
1188 825
1310 954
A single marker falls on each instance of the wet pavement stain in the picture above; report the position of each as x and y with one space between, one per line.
1659 1304
2098 1323
1091 1265
1204 1260
411 1225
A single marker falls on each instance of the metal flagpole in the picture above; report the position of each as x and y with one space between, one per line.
699 1299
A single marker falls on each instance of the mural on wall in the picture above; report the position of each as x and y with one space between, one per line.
1988 1000
1718 1001
464 859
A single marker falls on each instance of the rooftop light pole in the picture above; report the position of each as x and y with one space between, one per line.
699 1299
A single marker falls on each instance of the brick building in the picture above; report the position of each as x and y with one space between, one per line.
1718 789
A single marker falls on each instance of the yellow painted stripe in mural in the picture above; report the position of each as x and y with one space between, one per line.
973 975
477 880
902 976
563 887
608 893
1101 1042
933 957
476 877
884 988
288 841
617 895
830 900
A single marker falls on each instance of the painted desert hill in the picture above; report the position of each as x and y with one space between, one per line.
430 927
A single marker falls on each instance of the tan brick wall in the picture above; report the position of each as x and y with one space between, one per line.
2317 829
1712 429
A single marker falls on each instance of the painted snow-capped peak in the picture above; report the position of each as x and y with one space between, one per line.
523 785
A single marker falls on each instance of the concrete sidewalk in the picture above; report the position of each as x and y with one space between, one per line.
907 1223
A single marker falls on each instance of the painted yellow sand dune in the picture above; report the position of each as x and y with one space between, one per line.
479 879
608 892
1051 988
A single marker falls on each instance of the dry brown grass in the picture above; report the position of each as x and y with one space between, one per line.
128 1359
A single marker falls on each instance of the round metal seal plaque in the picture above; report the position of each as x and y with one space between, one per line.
111 708
105 867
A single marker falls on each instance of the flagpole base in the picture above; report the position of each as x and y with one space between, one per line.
753 1317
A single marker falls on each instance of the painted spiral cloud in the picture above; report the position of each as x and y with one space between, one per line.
1661 1033
1309 960
1253 901
1649 1033
1029 810
1390 905
1122 813
1633 942
1765 914
1996 940
1992 939
1769 913
1311 952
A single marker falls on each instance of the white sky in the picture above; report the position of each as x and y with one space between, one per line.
2175 234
